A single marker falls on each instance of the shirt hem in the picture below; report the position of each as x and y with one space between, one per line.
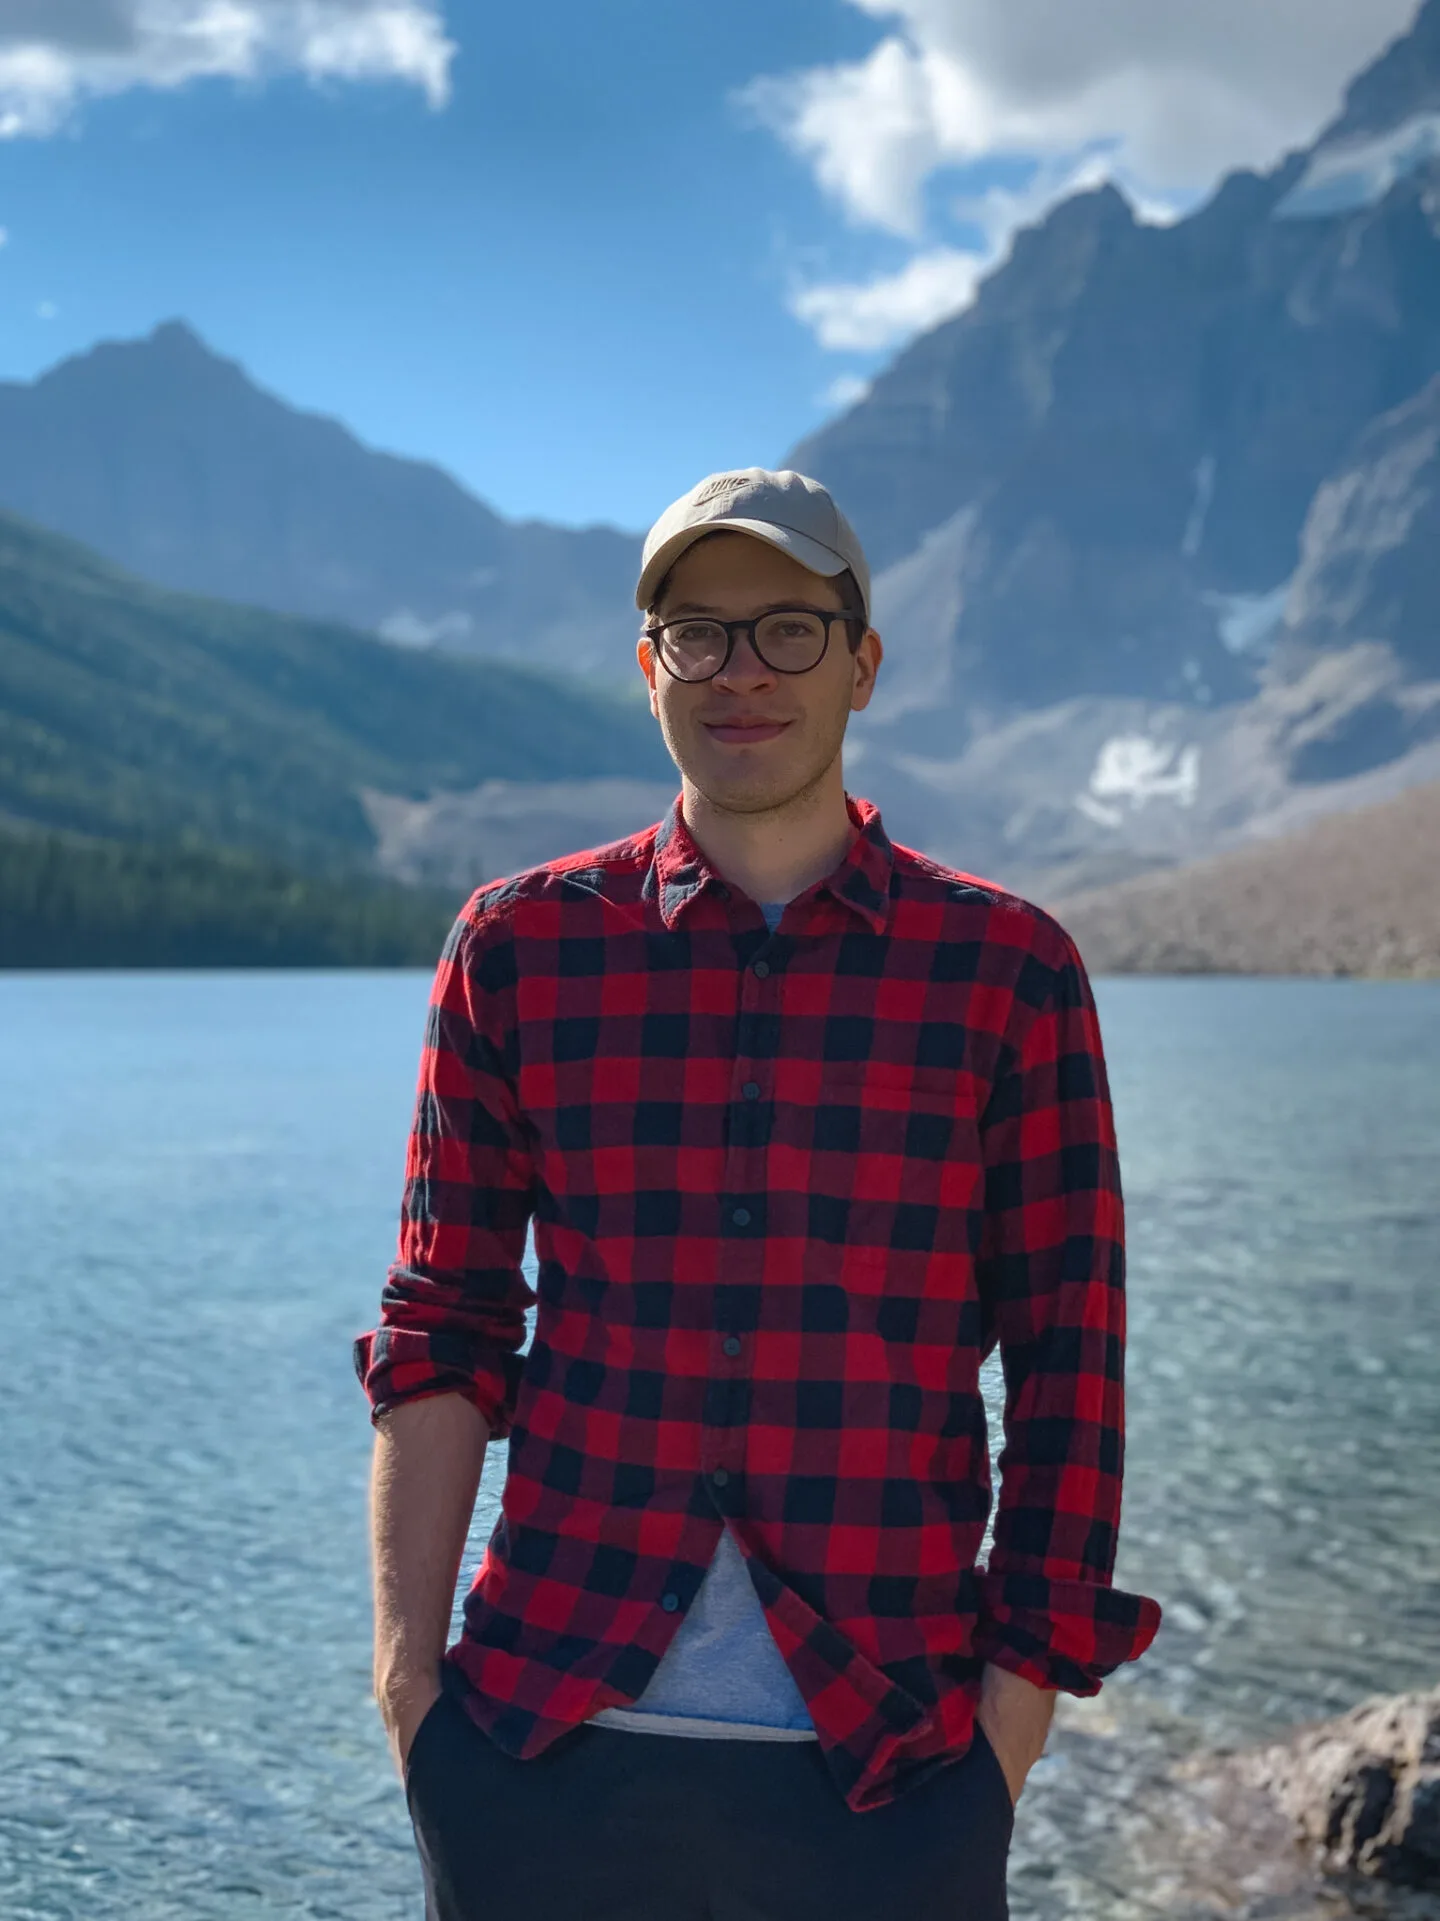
694 1727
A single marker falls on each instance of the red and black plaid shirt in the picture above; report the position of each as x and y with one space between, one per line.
788 1191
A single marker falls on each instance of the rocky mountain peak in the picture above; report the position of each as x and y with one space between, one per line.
1402 83
171 367
176 338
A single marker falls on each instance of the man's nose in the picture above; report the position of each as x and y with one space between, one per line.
745 667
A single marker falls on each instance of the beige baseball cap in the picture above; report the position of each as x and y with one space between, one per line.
789 510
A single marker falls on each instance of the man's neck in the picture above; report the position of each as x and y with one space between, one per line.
774 856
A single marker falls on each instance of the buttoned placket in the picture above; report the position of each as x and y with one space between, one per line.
742 1226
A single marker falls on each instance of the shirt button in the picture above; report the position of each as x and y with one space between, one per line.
751 1090
669 1602
762 970
721 1477
731 1345
741 1217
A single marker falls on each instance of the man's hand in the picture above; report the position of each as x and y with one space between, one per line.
1015 1715
402 1712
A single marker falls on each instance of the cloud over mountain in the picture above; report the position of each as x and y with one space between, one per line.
864 315
1160 96
56 53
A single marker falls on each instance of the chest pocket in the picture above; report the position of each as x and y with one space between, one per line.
895 1159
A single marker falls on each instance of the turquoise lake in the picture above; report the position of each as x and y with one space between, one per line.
199 1179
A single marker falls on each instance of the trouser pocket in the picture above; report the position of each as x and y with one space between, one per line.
421 1738
989 1763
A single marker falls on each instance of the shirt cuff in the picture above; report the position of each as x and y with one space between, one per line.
1066 1635
396 1365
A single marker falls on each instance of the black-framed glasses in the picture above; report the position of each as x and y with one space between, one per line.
787 640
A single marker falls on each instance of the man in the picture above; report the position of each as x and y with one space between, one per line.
805 1124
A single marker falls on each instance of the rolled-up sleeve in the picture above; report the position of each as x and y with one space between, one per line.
452 1315
1052 1273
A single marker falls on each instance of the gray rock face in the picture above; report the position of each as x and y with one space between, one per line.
1370 553
1090 791
171 461
503 826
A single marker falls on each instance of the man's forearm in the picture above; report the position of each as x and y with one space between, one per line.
424 1478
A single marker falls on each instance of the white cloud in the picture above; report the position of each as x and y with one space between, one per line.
55 53
845 390
1179 92
1160 96
862 316
869 130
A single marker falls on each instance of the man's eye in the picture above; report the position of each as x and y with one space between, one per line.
693 633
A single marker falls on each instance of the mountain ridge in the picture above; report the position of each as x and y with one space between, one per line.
171 461
131 713
1404 80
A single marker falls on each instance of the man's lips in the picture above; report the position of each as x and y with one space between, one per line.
744 733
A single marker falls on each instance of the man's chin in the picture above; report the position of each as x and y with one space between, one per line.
726 798
744 795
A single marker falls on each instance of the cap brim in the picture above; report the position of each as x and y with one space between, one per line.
810 553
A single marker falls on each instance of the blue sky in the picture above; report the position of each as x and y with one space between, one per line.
583 253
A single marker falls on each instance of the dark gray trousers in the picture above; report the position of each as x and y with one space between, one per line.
613 1826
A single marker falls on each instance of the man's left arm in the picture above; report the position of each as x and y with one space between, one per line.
1052 1279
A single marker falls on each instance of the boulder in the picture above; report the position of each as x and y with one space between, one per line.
1363 1790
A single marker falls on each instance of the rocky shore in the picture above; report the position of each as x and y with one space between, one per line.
1355 894
1338 1821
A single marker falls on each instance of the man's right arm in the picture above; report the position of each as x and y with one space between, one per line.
443 1367
424 1478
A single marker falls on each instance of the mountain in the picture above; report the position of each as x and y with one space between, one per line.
1127 507
128 713
1351 895
1125 433
171 462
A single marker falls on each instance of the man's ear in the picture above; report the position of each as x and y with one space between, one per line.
868 656
645 654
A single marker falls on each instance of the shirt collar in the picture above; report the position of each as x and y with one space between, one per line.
680 873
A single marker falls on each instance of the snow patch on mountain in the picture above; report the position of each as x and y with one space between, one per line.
1345 179
1134 769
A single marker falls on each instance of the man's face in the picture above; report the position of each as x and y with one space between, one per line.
752 740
